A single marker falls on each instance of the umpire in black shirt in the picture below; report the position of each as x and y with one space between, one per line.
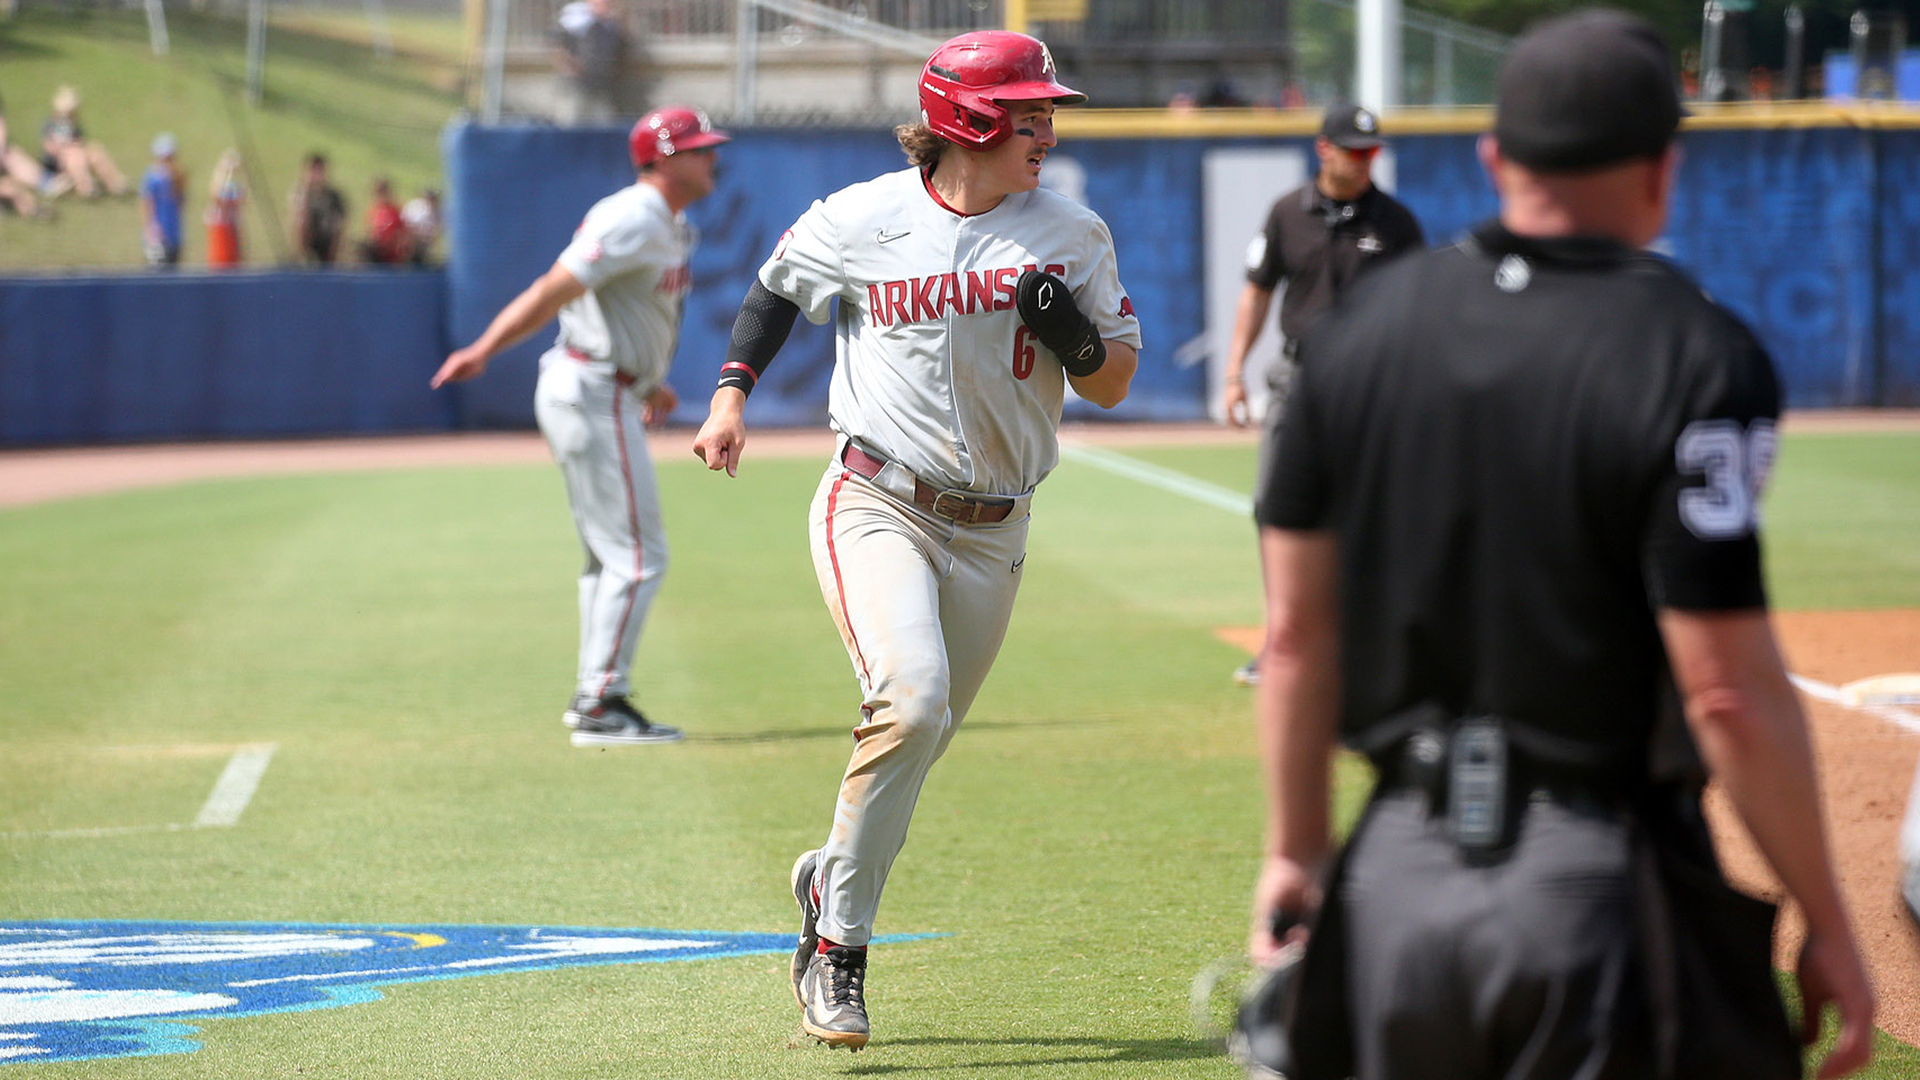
1318 238
1513 553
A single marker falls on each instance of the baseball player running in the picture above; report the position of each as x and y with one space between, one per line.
617 289
968 299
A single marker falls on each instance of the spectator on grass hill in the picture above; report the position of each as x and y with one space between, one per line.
163 196
592 46
19 169
422 215
387 242
318 214
65 149
226 194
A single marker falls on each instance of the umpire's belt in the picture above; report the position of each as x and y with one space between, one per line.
619 376
959 507
1421 763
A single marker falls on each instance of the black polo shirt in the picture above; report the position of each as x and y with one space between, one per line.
1526 447
1319 245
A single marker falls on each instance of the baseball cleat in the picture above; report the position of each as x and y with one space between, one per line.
805 868
613 721
833 1000
580 706
1248 674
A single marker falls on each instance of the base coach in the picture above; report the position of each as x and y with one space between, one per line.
1513 536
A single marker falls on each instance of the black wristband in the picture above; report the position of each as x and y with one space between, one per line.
739 376
1083 356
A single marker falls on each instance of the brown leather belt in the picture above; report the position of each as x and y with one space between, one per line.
959 507
619 376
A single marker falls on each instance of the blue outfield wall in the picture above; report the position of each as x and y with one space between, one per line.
1797 230
1811 234
189 356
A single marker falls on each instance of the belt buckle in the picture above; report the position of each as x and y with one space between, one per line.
959 507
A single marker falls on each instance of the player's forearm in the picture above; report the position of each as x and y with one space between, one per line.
1108 386
1747 721
516 322
759 330
528 312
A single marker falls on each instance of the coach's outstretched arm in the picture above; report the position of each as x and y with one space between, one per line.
762 326
532 309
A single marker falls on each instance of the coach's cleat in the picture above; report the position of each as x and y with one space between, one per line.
1248 674
833 997
580 706
613 721
806 893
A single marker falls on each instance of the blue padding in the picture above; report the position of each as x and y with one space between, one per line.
1778 226
99 359
1899 269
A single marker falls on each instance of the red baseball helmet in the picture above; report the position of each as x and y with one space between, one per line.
966 79
668 130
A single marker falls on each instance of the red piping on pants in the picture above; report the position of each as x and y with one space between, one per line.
833 556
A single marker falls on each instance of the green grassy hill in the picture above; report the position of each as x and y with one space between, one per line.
324 89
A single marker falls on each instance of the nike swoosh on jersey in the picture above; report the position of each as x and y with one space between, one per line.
886 237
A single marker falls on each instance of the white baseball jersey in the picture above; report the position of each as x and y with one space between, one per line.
631 253
936 371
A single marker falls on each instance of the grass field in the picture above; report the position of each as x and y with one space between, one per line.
323 89
405 639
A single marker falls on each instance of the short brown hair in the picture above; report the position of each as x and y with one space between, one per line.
923 147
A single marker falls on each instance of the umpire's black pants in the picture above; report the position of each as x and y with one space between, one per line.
1527 969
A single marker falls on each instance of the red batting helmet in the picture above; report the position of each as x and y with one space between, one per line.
966 79
668 130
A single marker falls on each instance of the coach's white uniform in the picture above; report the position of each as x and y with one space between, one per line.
615 345
938 378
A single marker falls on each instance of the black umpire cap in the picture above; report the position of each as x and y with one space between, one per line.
1351 127
1586 90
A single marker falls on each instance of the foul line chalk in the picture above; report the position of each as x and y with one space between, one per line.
228 800
1898 717
235 788
1179 483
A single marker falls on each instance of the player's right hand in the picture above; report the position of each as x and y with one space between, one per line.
1233 402
724 435
461 365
